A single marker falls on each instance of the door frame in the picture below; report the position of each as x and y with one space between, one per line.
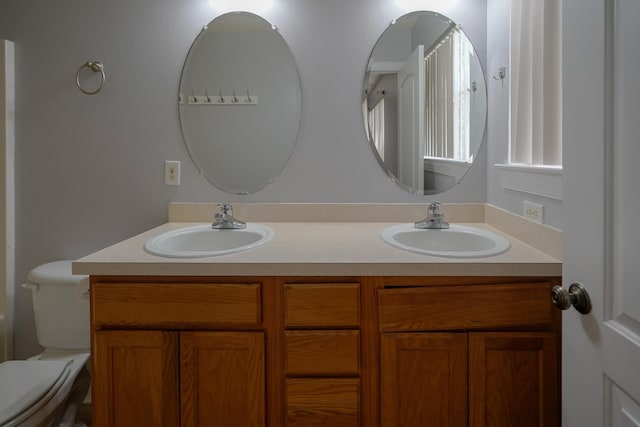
7 197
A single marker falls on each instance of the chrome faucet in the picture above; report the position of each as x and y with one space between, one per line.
434 218
225 220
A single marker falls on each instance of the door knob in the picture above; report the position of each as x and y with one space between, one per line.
577 296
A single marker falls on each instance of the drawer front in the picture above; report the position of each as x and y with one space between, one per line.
172 305
322 353
522 305
322 305
323 402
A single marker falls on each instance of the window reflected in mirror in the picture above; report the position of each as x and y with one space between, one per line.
425 102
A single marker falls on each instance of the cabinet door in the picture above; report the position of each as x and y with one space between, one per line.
222 379
424 379
135 379
513 379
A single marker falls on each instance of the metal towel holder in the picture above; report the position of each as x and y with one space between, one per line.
96 67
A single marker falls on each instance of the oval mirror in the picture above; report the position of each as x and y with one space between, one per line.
425 102
239 102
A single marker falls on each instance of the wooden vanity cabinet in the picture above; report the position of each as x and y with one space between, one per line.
177 354
322 354
339 352
469 355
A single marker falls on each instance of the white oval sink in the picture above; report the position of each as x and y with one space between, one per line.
202 241
458 241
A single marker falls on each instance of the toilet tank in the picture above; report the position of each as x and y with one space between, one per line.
60 306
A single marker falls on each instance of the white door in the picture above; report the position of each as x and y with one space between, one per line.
601 125
411 142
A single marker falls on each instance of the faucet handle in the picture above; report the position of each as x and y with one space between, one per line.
434 218
226 208
434 210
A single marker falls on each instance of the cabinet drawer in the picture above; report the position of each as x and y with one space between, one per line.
322 305
323 402
522 305
322 353
172 305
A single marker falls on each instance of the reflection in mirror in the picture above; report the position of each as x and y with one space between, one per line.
240 102
425 102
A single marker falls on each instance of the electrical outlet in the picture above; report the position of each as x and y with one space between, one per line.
533 211
172 172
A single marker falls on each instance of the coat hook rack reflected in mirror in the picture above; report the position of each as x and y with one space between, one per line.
220 99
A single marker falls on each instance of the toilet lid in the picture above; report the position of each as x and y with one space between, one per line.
25 384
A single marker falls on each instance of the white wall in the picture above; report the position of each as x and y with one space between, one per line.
89 169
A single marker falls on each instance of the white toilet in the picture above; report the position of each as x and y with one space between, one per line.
45 390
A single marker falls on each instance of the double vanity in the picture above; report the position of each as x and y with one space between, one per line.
321 318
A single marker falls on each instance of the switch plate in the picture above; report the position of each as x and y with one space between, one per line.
172 172
533 211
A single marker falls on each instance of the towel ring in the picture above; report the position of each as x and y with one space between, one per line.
96 67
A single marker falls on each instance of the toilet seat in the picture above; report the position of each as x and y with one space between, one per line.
44 405
26 386
47 390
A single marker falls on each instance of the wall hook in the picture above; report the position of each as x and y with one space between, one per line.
473 89
502 73
235 98
220 97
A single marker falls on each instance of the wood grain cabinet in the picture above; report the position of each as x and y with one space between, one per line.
181 354
489 358
311 352
322 354
135 378
222 379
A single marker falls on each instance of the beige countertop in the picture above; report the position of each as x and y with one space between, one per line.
317 249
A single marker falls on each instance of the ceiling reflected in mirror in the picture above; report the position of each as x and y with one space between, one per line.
413 5
255 6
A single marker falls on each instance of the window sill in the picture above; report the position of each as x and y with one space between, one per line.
544 181
449 167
